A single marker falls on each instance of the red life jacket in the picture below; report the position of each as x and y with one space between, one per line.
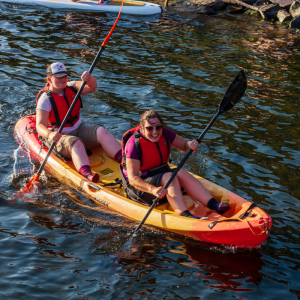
60 106
152 155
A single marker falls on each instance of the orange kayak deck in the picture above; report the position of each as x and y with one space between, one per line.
244 225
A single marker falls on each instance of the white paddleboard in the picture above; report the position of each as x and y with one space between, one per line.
129 7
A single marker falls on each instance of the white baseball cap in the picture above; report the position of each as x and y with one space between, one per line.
58 70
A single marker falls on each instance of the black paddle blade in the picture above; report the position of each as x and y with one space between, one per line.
235 92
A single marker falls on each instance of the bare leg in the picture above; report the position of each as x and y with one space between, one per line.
193 187
79 155
82 163
109 143
174 196
197 191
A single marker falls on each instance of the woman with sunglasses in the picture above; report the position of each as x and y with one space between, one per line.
145 151
53 102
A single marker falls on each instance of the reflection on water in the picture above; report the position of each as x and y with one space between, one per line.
230 270
180 66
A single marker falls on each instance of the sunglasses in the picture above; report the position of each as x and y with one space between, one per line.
151 128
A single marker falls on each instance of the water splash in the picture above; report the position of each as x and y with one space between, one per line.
23 164
33 186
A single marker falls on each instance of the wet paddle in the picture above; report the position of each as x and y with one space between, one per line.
232 96
36 177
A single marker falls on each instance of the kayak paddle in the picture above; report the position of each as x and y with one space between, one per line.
232 96
36 177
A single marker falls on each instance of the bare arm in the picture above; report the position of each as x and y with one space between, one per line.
133 167
184 145
90 85
41 126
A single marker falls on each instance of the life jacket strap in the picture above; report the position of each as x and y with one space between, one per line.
138 146
54 107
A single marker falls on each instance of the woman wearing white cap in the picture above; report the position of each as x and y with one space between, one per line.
53 102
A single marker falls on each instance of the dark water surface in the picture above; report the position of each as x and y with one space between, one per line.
60 245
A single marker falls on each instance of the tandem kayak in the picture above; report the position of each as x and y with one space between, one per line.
129 7
243 225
